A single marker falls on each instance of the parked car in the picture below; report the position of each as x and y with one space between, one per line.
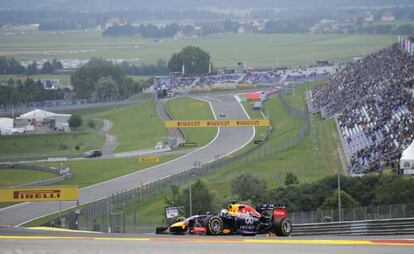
159 146
93 154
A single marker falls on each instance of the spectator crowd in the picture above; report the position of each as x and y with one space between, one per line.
373 101
257 77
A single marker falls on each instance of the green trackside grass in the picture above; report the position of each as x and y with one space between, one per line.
49 144
311 160
226 50
93 171
15 177
191 109
136 126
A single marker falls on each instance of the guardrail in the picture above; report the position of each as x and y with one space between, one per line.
403 226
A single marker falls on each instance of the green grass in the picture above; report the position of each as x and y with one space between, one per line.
225 49
313 159
49 144
15 177
136 126
89 172
181 109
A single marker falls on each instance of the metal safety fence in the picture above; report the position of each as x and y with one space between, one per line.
355 213
63 172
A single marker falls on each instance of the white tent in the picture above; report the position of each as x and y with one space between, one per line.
407 160
59 120
37 114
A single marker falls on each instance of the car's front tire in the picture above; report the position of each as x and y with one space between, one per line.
214 225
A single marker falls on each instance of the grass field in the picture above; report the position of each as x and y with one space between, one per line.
88 172
190 109
225 49
49 144
306 162
16 177
136 126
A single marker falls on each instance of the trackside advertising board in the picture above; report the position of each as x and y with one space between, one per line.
217 123
39 194
149 159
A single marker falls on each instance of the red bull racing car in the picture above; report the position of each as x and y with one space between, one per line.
236 219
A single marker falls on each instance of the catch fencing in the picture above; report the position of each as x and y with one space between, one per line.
354 214
401 226
63 173
113 213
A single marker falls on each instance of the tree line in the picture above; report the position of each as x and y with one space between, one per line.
12 66
19 92
101 80
158 69
355 192
147 31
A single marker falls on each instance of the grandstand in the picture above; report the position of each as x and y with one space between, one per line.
254 77
372 100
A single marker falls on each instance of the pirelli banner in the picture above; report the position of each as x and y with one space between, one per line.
217 123
38 194
149 159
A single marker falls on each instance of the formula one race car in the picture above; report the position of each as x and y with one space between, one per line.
237 219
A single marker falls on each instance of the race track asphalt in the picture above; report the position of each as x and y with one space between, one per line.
34 241
227 141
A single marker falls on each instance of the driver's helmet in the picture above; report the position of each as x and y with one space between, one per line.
224 212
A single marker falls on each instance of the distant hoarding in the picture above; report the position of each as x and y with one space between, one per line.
39 194
149 159
217 123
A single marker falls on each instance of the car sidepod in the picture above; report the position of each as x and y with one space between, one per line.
246 225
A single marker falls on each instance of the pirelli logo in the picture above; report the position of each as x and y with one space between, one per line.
188 123
36 194
65 193
217 123
149 159
248 123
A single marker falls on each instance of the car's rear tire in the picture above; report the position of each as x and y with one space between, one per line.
283 228
214 225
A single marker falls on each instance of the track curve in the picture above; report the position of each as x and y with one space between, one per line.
227 141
